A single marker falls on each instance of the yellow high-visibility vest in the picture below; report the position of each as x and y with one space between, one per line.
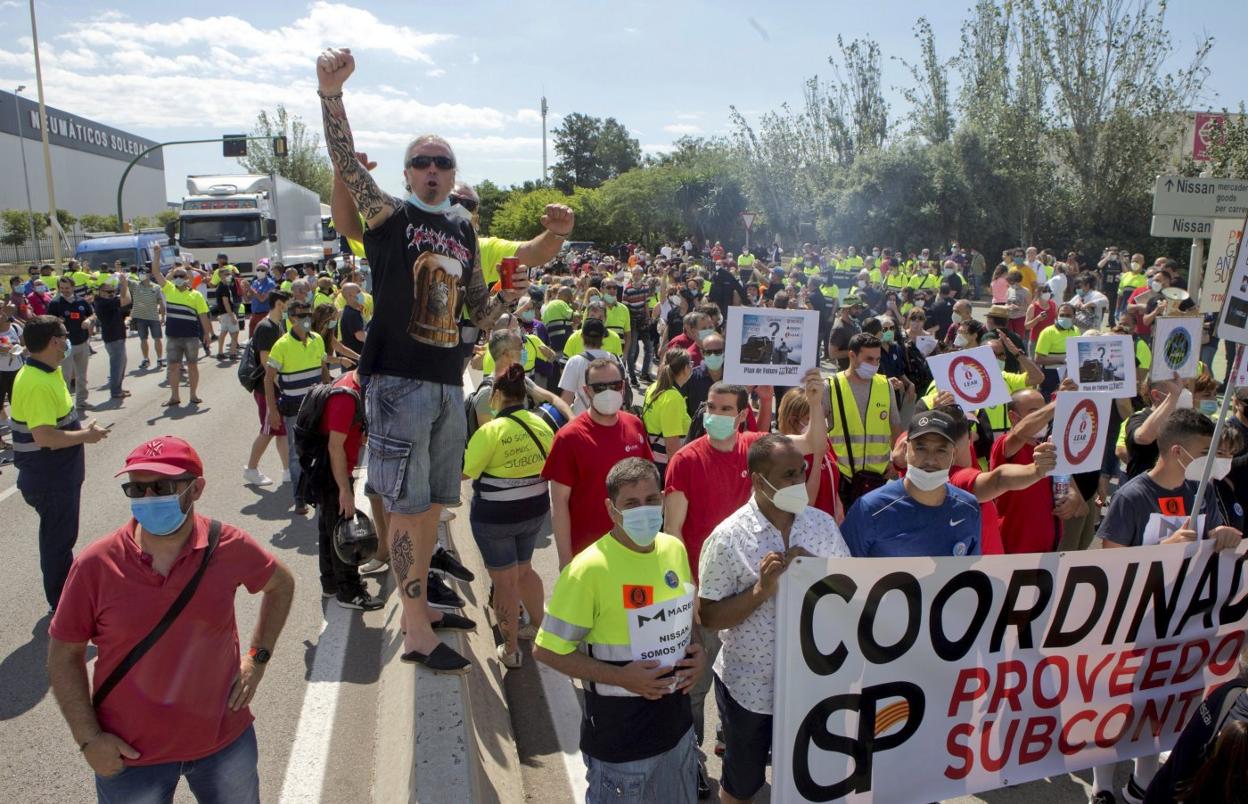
871 444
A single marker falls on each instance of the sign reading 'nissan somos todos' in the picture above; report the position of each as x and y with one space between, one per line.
926 678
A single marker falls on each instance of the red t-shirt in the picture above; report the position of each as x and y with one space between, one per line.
581 455
683 341
1027 523
1048 319
963 477
1141 328
829 480
171 706
339 417
715 484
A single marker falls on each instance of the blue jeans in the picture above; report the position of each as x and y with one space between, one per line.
226 777
58 531
670 777
116 364
292 456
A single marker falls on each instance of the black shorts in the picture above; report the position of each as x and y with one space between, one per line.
747 744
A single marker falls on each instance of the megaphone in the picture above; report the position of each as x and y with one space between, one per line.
1174 297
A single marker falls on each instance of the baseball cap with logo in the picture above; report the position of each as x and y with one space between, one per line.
594 327
932 421
166 455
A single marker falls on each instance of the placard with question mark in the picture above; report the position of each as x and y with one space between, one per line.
763 346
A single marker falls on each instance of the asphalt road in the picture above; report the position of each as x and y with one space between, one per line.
325 753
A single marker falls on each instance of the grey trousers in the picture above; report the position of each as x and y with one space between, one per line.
74 367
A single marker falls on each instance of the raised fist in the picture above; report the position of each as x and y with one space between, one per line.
333 68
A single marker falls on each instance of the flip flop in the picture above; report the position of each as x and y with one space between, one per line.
171 403
196 401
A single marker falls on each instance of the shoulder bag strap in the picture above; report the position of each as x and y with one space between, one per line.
840 403
532 435
145 644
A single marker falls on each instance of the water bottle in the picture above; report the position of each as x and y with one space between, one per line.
1061 487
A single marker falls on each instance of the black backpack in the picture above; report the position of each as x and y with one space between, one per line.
470 406
250 372
312 446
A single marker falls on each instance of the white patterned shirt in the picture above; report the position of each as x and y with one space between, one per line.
729 566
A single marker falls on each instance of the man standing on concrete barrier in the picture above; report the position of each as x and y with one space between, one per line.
426 266
637 729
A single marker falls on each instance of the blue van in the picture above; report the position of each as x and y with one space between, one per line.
99 253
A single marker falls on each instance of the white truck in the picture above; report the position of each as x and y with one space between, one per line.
249 218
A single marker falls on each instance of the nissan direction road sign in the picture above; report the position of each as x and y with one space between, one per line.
1180 226
1185 196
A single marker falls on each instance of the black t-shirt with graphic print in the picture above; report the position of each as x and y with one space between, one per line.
422 264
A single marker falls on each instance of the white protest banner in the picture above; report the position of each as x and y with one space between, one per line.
1223 243
1080 426
1233 320
972 376
921 679
763 346
1176 348
660 632
1102 364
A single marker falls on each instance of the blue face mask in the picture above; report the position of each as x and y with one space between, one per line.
719 426
524 357
705 333
642 524
159 516
713 362
423 207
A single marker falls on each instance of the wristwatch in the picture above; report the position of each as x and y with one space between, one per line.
260 655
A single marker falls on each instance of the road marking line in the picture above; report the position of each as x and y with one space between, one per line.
565 716
305 769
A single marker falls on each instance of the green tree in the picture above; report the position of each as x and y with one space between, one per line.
931 113
16 228
492 197
166 217
305 162
591 150
91 222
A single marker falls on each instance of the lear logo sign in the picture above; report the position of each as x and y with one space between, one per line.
971 379
1177 348
1080 435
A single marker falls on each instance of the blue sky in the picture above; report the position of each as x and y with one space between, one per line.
475 71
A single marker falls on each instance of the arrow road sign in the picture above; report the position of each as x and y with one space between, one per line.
1188 197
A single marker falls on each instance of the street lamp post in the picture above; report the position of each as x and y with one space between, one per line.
21 142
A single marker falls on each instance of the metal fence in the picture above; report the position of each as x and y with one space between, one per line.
30 254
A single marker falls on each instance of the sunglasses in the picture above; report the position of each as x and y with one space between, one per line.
467 203
599 387
163 487
441 162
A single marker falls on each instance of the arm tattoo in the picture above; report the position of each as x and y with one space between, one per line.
401 557
483 309
368 197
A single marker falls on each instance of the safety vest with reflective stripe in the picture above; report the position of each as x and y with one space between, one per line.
871 444
896 279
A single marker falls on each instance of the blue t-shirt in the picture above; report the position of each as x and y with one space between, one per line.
889 522
259 286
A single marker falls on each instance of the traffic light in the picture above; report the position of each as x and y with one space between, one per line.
279 145
234 145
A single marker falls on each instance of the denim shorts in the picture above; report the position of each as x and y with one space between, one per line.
182 350
670 777
230 775
145 327
416 437
504 545
747 742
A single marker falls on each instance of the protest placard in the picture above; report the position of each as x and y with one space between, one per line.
1176 348
763 346
972 376
1102 364
921 679
1080 427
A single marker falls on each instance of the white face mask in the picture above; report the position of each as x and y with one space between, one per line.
1185 399
608 402
867 370
960 341
925 480
957 318
926 344
1154 286
1195 469
790 498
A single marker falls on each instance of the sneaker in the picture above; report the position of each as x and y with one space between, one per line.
160 363
285 475
359 599
444 560
441 596
1132 793
719 742
143 366
442 659
454 622
253 477
511 661
1103 797
221 356
446 515
374 567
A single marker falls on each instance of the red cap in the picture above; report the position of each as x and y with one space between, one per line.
166 455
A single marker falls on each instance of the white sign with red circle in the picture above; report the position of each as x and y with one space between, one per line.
972 376
1080 425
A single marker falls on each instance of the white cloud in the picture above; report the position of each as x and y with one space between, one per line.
658 148
529 116
688 115
631 31
436 72
681 129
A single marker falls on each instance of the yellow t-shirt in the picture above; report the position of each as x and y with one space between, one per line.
493 250
665 417
1052 340
576 344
